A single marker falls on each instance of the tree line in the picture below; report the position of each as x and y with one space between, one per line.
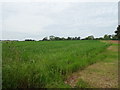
116 36
91 37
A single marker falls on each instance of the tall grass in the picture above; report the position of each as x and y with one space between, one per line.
42 64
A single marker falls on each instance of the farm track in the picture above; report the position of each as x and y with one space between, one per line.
103 74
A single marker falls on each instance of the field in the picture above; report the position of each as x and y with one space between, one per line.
46 64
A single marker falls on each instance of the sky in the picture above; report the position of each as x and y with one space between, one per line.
59 0
36 20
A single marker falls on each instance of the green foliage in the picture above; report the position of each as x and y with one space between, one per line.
90 37
107 37
114 37
118 32
45 39
52 37
45 64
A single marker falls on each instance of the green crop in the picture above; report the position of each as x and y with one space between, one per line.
45 64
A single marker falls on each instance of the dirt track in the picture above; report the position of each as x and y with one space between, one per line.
115 41
100 74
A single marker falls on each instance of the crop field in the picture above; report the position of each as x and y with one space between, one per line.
46 64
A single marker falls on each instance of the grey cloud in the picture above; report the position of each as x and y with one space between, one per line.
37 20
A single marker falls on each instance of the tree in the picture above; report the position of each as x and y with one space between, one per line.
100 38
118 32
62 38
52 37
90 37
75 38
56 38
45 39
107 37
78 38
72 38
113 37
69 38
29 40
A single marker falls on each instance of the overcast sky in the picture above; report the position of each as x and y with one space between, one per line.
63 19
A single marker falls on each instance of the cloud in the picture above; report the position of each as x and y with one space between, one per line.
59 0
119 13
37 20
29 17
84 19
0 20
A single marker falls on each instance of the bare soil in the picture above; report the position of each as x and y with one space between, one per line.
111 41
115 41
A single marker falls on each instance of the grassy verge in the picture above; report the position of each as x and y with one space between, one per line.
103 74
